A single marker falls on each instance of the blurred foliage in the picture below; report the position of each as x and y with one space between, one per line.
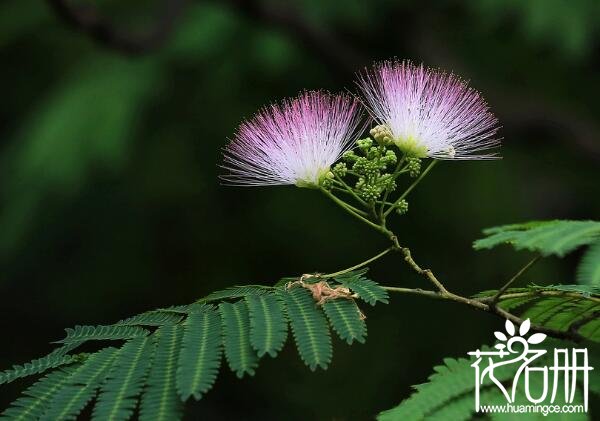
570 27
110 198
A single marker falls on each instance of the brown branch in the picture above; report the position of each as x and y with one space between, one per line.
570 334
87 19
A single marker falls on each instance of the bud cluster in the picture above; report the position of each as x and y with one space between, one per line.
382 134
370 165
402 207
413 165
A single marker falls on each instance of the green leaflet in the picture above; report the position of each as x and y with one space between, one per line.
588 271
200 355
81 386
55 359
532 289
565 313
546 237
511 304
541 311
561 307
36 398
98 333
241 357
584 290
448 382
346 319
236 292
368 290
160 401
591 329
119 395
268 324
181 309
152 318
309 327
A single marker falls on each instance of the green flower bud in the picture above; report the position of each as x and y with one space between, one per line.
413 166
349 156
340 169
390 157
369 192
327 183
402 207
364 144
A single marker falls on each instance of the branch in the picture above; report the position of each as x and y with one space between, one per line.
87 19
502 290
358 266
571 334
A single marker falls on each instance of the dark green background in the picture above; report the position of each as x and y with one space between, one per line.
110 202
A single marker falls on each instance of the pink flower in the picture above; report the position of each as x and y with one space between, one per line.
427 112
294 142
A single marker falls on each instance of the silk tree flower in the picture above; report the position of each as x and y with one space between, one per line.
428 113
293 142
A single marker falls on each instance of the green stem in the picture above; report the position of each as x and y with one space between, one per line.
387 191
354 209
349 209
411 187
366 262
502 290
351 191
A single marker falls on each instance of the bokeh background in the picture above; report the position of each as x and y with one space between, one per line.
113 119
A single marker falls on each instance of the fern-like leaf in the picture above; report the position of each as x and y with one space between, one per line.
79 334
448 382
124 382
591 329
81 386
449 392
584 290
346 319
55 359
200 355
309 326
268 324
239 291
573 308
241 357
368 290
546 237
588 271
152 318
160 401
36 398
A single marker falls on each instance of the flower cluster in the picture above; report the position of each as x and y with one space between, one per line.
294 142
428 113
423 112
